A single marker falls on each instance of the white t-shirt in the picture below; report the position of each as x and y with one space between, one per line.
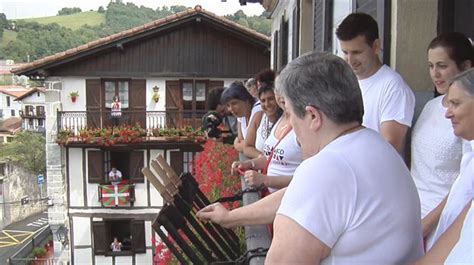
435 155
463 251
459 195
244 125
263 131
357 196
386 97
286 157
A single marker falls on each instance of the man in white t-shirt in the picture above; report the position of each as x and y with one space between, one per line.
115 176
352 200
388 101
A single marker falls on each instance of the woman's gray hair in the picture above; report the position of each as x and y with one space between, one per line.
250 83
466 79
324 81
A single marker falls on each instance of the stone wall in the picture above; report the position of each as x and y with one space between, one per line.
16 184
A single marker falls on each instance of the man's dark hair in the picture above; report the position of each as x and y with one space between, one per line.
358 24
214 98
266 76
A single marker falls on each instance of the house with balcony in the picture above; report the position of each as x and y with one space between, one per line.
32 110
8 106
161 72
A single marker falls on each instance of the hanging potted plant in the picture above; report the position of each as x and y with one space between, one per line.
74 95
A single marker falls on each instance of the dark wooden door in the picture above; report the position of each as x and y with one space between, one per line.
174 103
137 102
93 103
138 236
95 164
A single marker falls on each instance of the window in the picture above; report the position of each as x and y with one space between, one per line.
2 169
12 112
340 11
29 110
182 162
8 101
129 163
113 88
40 110
129 232
40 122
194 95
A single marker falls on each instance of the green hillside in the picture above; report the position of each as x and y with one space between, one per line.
8 35
74 21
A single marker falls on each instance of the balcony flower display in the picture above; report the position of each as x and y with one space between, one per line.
104 136
183 133
127 134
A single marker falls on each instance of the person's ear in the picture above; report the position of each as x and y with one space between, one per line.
314 117
377 46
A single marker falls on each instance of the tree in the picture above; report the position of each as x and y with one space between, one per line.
101 10
69 11
27 150
3 23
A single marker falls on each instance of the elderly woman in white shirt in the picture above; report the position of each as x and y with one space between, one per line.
460 102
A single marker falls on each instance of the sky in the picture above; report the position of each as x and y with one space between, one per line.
15 9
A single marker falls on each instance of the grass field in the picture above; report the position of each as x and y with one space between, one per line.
74 21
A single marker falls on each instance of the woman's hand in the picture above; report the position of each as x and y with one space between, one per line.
238 167
254 178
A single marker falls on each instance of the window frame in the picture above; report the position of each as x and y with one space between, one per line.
108 105
102 237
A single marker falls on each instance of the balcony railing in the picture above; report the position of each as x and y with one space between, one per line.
120 195
32 114
76 120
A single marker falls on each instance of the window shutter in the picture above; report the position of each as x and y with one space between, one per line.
95 164
93 107
275 49
283 43
137 101
100 238
138 236
323 25
136 165
296 31
176 161
174 103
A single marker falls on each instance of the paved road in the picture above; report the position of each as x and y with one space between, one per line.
14 236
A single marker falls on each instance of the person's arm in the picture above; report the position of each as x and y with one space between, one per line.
249 143
430 220
255 179
445 244
292 244
238 142
260 212
395 133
